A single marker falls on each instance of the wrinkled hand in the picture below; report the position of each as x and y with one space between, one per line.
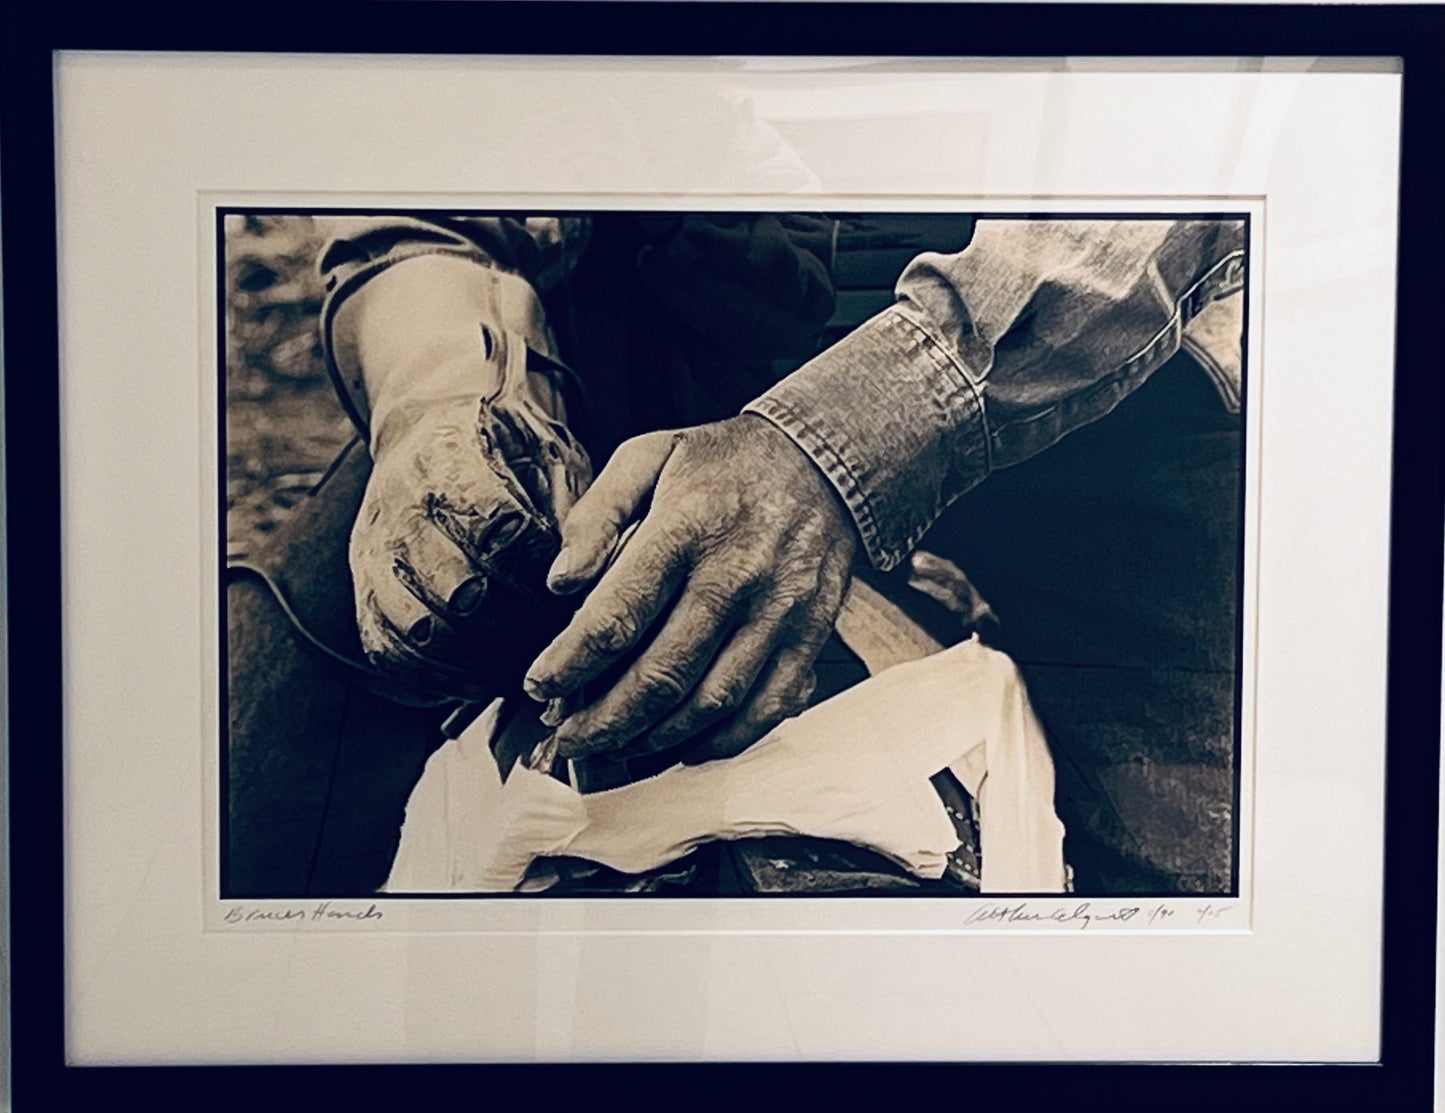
456 526
717 605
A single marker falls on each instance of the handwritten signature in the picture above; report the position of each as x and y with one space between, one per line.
1084 914
297 915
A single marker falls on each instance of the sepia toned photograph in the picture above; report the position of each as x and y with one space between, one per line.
731 554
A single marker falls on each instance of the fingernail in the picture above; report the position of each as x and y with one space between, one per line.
421 631
504 530
556 712
561 566
469 595
535 689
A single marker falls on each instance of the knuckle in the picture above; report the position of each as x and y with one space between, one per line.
713 597
814 631
363 582
800 567
611 634
715 698
753 570
778 607
794 598
766 712
635 449
634 446
648 447
662 684
796 703
364 541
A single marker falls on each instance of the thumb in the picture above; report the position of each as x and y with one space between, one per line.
592 526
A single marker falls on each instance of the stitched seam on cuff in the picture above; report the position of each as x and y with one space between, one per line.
943 360
957 405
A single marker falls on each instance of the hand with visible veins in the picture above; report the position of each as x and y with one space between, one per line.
717 605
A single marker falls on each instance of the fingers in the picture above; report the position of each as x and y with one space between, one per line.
484 529
787 680
436 572
482 508
614 616
659 679
939 579
727 512
784 690
417 590
406 602
725 686
562 482
591 528
389 608
942 580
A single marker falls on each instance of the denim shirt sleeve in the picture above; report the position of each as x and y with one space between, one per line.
993 354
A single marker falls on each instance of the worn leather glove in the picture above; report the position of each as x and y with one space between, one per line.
473 467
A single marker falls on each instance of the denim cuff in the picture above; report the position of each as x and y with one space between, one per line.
895 424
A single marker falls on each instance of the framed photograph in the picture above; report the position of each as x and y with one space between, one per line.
575 549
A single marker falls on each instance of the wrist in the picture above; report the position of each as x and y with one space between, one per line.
800 473
892 423
430 328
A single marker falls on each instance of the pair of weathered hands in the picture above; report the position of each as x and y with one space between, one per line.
700 632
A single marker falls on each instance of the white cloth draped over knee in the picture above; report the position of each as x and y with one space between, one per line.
855 767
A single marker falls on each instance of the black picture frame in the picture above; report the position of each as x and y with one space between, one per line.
1401 1080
